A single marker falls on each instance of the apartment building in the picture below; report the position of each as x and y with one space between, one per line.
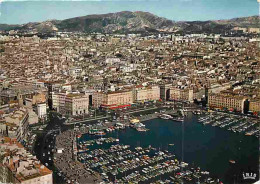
19 166
76 104
41 110
38 105
113 98
17 124
118 98
181 94
71 104
254 105
226 101
144 94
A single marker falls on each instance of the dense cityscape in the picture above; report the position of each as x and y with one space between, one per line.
70 102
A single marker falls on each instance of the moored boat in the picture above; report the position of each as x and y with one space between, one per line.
232 161
100 133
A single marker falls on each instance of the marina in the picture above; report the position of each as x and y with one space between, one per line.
165 135
209 152
235 123
121 164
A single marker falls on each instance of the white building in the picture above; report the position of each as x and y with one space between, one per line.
75 72
41 110
71 104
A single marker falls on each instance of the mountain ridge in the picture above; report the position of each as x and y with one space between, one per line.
128 22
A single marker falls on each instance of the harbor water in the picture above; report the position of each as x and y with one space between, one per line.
210 148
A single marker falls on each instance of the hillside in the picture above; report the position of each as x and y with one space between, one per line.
128 22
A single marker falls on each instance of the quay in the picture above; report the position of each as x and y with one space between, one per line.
72 170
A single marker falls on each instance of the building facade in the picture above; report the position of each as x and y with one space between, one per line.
181 94
254 105
76 104
112 98
19 166
41 110
71 104
226 101
18 124
144 94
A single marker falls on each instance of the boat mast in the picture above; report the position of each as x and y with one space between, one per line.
182 144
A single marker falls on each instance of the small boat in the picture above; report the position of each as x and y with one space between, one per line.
165 116
99 142
232 161
140 129
100 133
92 131
179 119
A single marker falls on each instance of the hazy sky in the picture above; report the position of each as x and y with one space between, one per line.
21 11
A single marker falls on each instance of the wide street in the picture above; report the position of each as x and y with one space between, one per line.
45 144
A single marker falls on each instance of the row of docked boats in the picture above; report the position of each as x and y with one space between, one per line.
151 172
119 161
101 131
96 132
121 164
143 163
84 143
235 123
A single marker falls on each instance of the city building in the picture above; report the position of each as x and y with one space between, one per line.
144 94
19 166
41 110
254 105
226 102
113 99
71 104
18 124
181 94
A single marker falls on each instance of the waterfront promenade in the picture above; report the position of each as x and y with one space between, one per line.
72 170
129 112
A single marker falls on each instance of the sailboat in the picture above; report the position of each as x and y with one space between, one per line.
117 140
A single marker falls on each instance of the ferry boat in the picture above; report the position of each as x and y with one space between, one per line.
165 116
